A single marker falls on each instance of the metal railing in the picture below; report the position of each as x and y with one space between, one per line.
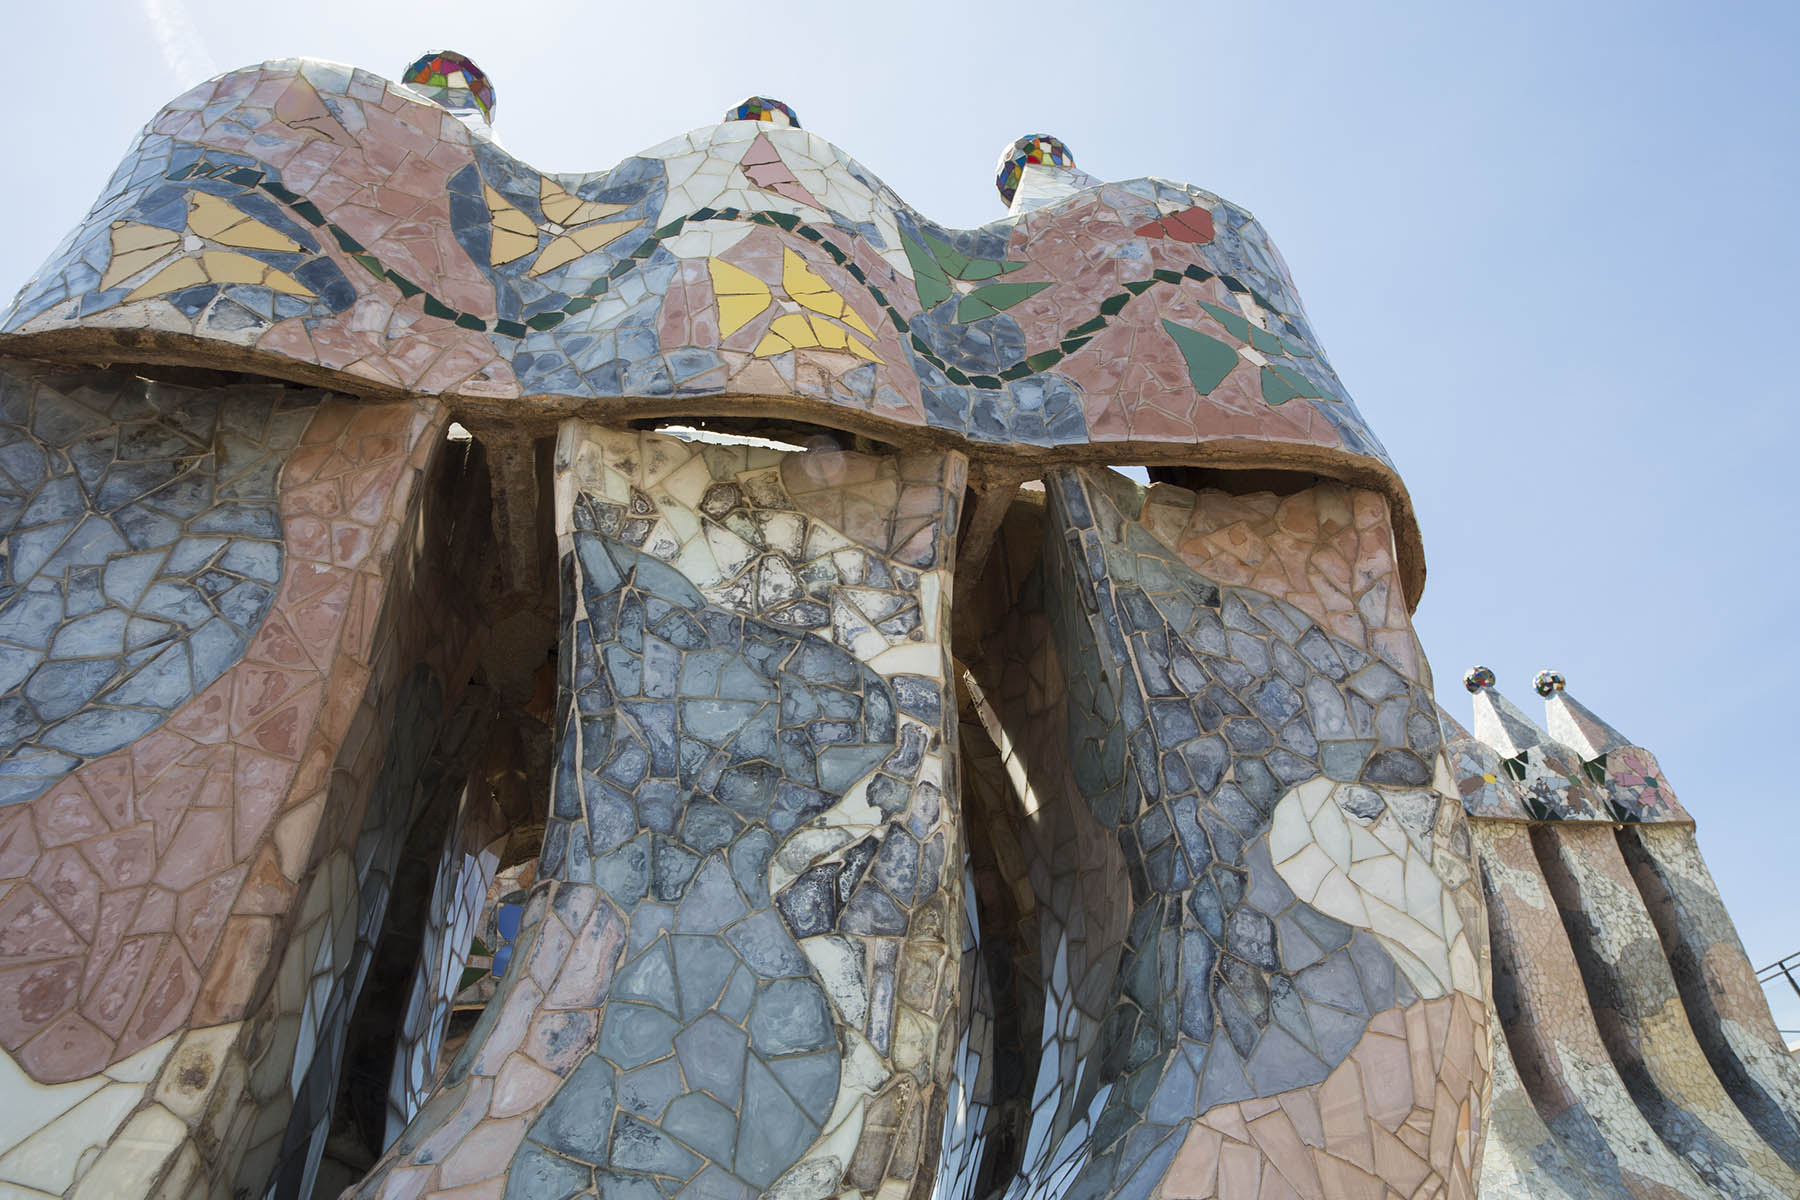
1786 968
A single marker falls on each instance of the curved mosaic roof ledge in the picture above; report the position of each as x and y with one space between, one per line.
310 221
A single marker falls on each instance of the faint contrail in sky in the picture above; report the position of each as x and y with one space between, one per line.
183 50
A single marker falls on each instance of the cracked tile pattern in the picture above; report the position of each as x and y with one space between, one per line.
746 855
465 874
1214 754
142 874
1177 903
162 872
1635 1053
402 676
302 214
143 549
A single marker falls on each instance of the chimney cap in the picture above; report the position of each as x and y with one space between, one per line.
453 80
1032 150
763 108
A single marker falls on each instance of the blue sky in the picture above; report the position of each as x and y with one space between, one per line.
1548 246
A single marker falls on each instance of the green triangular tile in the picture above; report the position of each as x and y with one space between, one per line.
1209 360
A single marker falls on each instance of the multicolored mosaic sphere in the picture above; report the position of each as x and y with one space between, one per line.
1032 150
762 108
465 85
1476 678
1547 682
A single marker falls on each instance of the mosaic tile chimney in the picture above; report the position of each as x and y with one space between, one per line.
647 683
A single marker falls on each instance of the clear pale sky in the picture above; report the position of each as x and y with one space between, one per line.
1549 247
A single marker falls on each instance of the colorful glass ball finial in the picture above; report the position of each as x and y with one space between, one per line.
1032 150
1477 678
762 108
1549 682
453 80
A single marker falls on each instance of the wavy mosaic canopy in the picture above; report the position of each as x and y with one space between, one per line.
1132 321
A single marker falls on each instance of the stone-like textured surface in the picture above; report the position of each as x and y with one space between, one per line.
151 889
304 218
1179 885
1725 1005
1646 1060
398 677
143 549
1641 1019
137 867
1244 873
746 903
1554 1039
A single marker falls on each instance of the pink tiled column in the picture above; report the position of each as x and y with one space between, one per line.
1641 1018
1561 1059
1401 1110
798 601
1725 1003
163 885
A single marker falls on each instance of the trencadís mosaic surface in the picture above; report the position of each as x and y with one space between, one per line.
643 684
329 219
143 548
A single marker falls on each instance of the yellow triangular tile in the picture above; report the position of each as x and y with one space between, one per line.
735 312
795 329
786 332
566 210
225 266
855 322
135 247
561 250
558 204
806 287
811 291
228 266
254 235
508 246
182 273
593 210
210 216
592 237
741 296
217 220
130 235
503 214
729 280
281 281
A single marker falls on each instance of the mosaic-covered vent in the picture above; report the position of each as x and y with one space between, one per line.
762 108
453 80
1032 150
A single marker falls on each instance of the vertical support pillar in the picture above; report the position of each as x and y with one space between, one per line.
1258 903
737 970
1641 1018
199 807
